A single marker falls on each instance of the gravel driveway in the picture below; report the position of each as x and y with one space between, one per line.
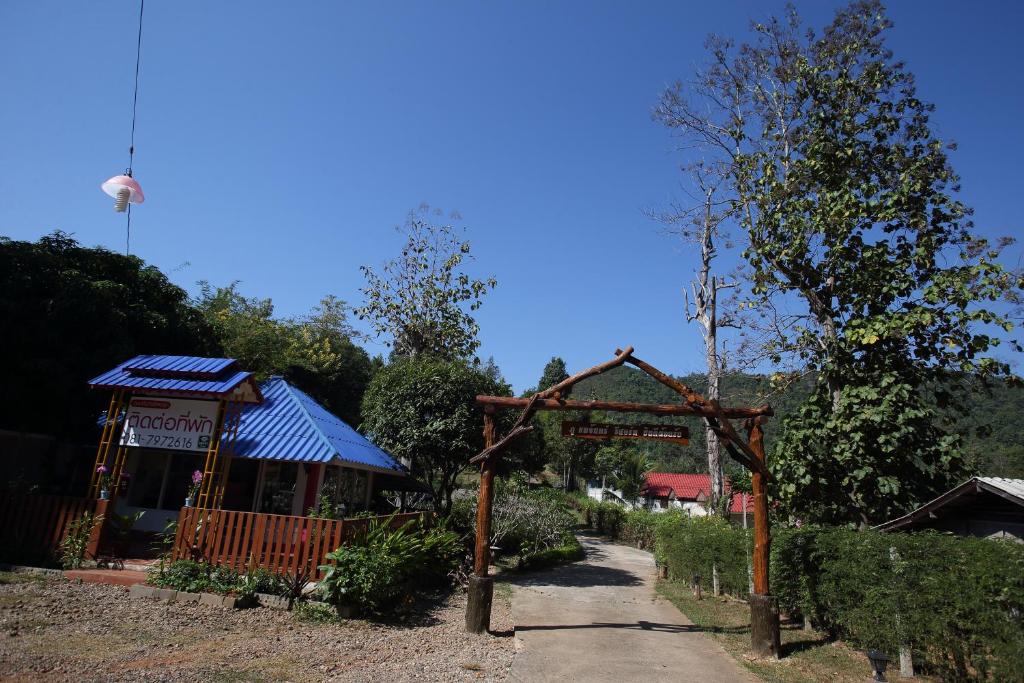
57 630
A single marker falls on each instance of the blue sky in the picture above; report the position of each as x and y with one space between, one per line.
280 143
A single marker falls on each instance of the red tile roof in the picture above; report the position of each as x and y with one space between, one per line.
688 488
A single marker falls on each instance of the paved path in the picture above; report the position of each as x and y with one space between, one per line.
600 620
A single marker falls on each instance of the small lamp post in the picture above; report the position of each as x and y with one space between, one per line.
878 663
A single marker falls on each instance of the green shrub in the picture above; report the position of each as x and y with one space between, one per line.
691 546
569 551
375 572
73 546
609 518
638 528
959 601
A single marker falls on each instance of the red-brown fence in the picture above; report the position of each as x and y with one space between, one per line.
32 526
280 543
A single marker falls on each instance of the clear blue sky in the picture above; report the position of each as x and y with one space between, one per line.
280 143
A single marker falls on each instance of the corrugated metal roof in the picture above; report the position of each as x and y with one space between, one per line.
179 365
184 375
290 425
1014 487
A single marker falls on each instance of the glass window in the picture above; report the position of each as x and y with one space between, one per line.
179 478
278 488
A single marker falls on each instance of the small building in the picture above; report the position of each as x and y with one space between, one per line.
988 507
667 491
281 452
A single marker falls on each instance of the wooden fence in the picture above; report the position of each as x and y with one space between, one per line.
280 543
32 526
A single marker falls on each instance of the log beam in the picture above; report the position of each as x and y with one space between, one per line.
665 409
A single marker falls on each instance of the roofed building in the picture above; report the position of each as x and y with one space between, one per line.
989 507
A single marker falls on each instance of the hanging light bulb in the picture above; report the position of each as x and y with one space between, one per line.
124 189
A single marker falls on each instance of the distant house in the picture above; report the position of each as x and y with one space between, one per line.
688 492
989 507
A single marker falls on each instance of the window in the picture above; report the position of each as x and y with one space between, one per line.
278 488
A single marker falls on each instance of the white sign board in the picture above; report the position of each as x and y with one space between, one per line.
174 423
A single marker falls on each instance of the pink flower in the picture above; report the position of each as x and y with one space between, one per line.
102 469
197 477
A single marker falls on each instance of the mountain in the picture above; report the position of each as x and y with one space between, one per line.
993 440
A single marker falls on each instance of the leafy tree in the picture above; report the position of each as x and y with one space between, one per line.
70 312
420 299
423 410
315 352
848 202
554 372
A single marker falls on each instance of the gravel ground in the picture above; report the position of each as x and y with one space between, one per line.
57 630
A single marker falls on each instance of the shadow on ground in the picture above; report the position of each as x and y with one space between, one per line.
577 576
631 626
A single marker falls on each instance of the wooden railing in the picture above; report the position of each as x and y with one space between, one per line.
280 543
32 526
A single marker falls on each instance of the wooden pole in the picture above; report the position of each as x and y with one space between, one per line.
764 610
481 586
623 407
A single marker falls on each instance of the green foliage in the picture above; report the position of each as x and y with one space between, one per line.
871 455
695 546
959 602
606 518
377 571
640 527
424 410
524 521
324 508
419 301
316 613
315 352
569 551
70 313
74 544
196 577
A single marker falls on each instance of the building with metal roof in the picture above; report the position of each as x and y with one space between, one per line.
287 452
989 507
194 376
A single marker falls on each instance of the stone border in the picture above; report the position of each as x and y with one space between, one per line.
141 590
23 569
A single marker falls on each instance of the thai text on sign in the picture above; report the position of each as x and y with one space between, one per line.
597 430
175 423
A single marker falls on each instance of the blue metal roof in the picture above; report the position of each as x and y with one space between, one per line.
289 425
184 375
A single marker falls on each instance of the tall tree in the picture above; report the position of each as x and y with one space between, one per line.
316 352
848 202
68 313
420 299
423 410
701 225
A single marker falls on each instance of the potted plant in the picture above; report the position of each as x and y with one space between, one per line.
104 482
193 490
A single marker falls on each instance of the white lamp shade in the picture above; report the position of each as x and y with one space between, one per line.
119 182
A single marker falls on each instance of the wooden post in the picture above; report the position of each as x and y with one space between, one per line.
481 586
96 533
764 610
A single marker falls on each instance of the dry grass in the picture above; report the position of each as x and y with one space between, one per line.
807 656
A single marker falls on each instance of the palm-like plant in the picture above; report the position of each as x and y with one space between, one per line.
631 475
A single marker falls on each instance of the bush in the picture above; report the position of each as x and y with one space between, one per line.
523 521
638 528
200 577
608 519
569 551
377 571
959 601
691 546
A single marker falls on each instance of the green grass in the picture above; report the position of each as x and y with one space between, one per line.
807 656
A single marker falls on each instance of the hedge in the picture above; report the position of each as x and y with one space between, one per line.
958 602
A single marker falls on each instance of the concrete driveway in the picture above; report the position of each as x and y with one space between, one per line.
601 620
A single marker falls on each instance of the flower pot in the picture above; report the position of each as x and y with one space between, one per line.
188 501
104 494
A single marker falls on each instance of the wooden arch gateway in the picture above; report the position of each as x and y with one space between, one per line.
749 452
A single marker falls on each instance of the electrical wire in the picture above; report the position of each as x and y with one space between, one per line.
135 104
